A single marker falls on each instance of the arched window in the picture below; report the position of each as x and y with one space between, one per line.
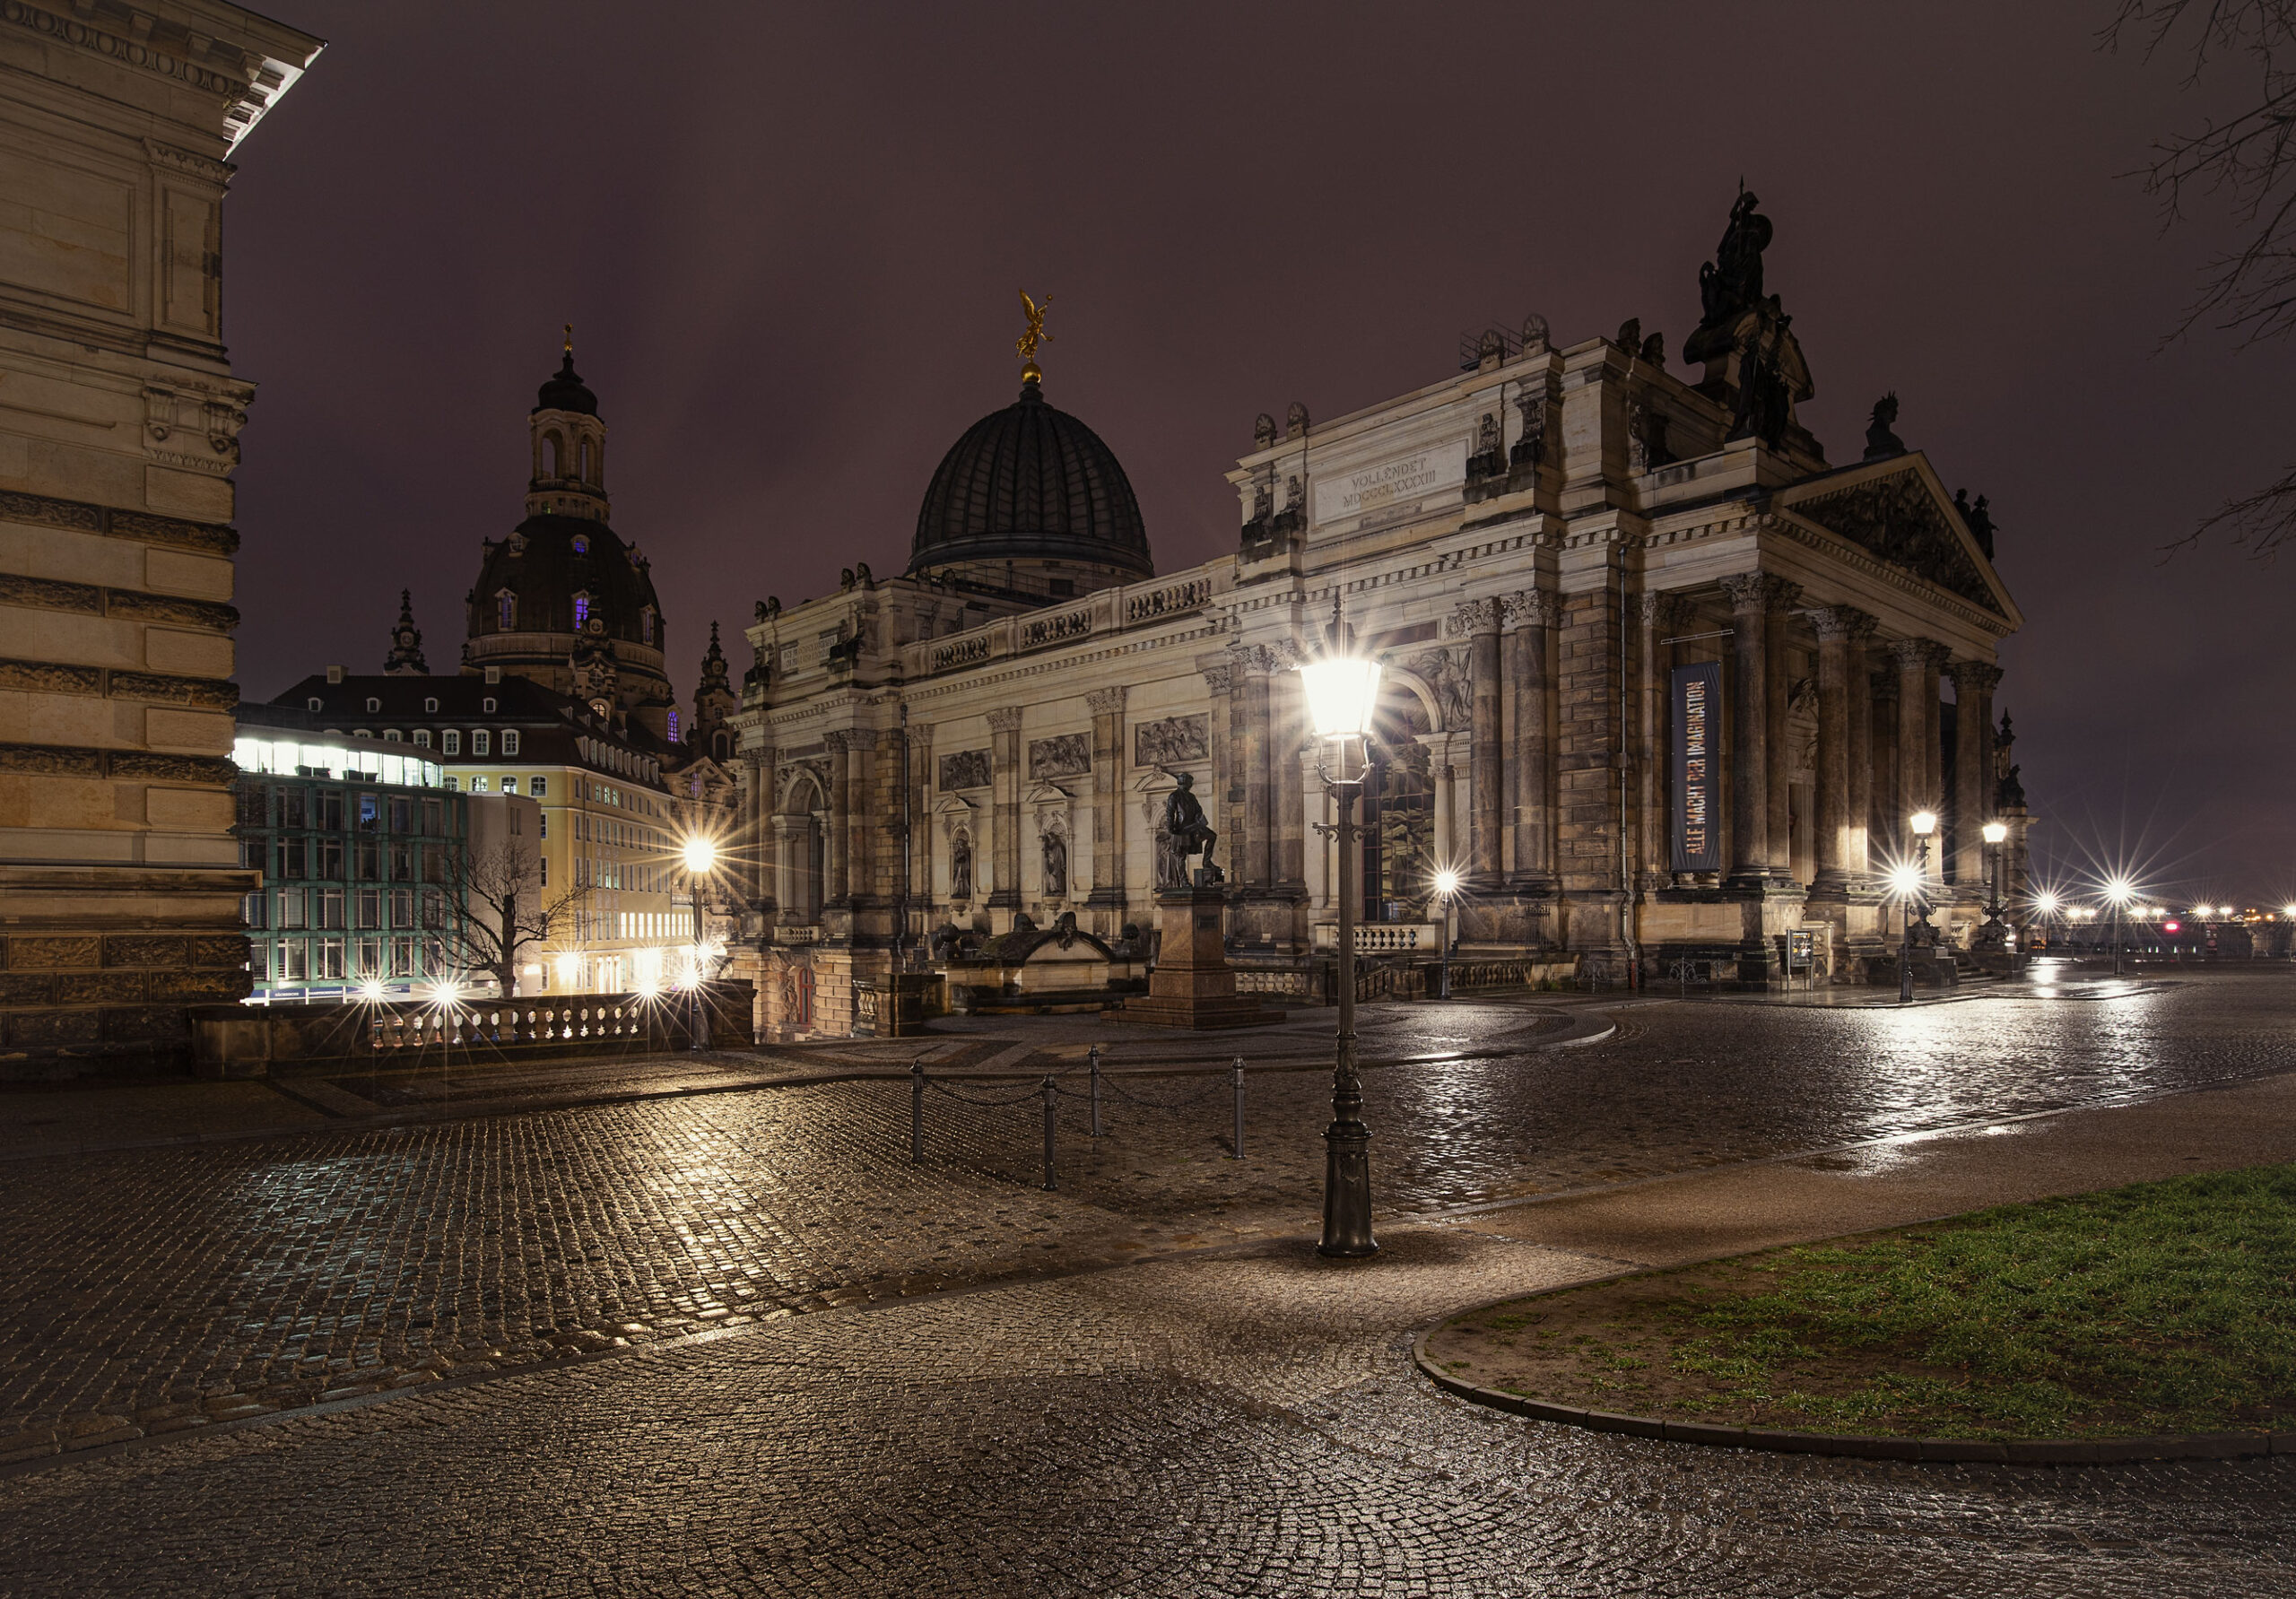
646 629
480 744
423 737
673 727
506 609
581 611
510 741
582 470
390 735
552 447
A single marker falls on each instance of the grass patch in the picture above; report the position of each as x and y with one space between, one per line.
2163 1308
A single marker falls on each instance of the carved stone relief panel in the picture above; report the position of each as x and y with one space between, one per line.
966 768
1064 755
1172 741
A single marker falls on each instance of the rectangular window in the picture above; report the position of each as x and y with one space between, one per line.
402 907
294 963
370 908
330 963
481 742
510 741
401 863
330 860
452 782
371 958
510 784
402 813
422 738
539 786
330 907
434 863
255 805
450 741
545 870
255 910
290 807
293 858
254 854
403 962
330 809
434 908
370 811
370 859
432 814
291 907
542 821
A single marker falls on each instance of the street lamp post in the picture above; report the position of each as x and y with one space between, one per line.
701 857
1911 880
2119 891
1996 834
1447 885
1341 692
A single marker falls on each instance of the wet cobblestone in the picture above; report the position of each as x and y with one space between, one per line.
1212 1428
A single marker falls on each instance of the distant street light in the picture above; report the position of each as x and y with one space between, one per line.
2119 890
701 853
1446 888
1996 834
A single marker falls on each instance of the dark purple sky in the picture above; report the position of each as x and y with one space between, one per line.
789 239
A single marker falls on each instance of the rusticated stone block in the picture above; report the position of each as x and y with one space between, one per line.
223 948
93 988
55 954
146 1024
195 987
26 988
145 949
44 1030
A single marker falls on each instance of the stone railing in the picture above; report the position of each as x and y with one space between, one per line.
1384 938
1172 600
256 1040
807 933
1039 631
961 652
1286 985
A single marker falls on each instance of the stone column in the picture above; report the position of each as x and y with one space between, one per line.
834 887
1219 798
919 778
1287 721
1749 595
1973 685
756 843
1885 822
1107 808
865 817
1255 862
1857 686
1531 616
1662 616
1836 791
1916 661
1479 620
1777 689
1004 760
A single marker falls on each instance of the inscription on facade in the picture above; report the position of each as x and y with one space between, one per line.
1172 741
1400 478
967 768
1698 698
1063 756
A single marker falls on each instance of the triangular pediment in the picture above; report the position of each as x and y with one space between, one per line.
1897 511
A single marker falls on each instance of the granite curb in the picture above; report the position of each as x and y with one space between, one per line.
2205 1446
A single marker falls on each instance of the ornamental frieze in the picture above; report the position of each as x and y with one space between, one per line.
1064 755
1896 519
1172 741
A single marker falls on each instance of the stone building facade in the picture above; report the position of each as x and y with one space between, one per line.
120 884
1575 562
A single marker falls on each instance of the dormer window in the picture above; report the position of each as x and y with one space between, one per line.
480 745
373 705
390 735
431 705
422 738
487 705
510 741
313 702
450 741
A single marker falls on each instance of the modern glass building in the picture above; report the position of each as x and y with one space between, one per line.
356 842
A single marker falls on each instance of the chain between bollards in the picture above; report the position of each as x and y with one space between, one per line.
1237 1073
916 1111
1051 1111
1094 1055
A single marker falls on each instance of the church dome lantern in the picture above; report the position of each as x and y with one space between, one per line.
1029 498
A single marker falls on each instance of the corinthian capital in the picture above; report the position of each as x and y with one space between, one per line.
1216 678
1531 608
1840 621
1106 701
1761 590
1005 718
1256 658
1975 677
1474 616
1915 654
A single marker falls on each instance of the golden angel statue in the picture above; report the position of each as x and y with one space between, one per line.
1028 341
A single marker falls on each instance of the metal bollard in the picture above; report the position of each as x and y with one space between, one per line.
1095 1059
916 1111
1237 1074
1051 1109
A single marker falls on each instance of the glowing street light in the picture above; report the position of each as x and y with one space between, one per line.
700 855
2121 891
1996 834
371 990
1342 689
1447 887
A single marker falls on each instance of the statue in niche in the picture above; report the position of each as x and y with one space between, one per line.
960 866
1188 829
1055 866
1530 449
1880 440
1294 496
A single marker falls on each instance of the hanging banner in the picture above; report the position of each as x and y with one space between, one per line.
1697 792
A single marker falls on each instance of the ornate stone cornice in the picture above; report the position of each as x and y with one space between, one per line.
164 46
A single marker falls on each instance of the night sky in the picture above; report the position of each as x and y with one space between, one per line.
789 239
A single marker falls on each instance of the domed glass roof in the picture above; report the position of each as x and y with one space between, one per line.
1030 482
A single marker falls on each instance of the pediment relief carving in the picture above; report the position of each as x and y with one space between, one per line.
1898 518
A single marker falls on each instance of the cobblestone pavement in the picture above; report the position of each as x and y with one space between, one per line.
1219 1427
160 1291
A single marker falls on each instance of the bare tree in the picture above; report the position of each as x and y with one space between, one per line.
2248 159
504 911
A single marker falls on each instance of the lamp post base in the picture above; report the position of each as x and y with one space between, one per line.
1347 1191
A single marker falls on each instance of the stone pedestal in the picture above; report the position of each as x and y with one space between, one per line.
1192 985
